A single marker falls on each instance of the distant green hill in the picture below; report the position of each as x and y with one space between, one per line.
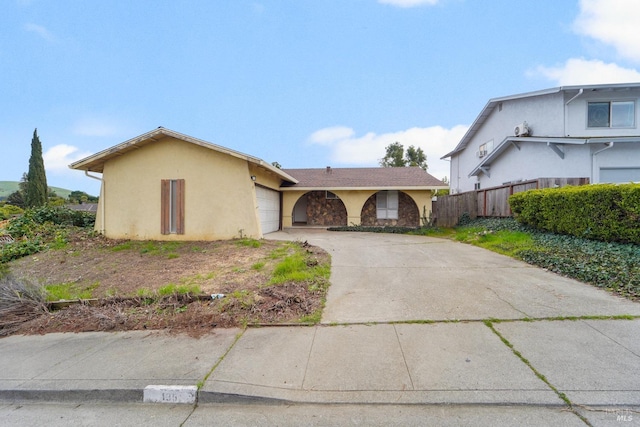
8 187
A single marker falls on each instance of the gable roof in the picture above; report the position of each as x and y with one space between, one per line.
493 103
377 178
95 162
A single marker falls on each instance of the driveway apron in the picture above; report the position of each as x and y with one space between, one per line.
388 277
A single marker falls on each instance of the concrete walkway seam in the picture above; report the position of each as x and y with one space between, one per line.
537 373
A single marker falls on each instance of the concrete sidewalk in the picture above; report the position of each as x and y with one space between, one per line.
594 362
590 363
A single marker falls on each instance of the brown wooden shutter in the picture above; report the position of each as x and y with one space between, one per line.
165 206
180 201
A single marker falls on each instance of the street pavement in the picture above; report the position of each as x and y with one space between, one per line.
416 331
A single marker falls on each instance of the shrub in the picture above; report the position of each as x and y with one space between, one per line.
32 218
40 228
605 212
7 211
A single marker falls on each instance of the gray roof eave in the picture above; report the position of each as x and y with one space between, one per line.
486 111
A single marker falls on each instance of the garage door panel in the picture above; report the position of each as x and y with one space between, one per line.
268 209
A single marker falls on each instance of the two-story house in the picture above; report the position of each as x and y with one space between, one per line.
588 131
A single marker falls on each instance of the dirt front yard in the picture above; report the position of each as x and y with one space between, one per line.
130 285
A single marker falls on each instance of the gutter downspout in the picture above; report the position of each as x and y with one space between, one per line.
608 145
102 199
566 111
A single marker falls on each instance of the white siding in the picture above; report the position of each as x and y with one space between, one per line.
549 116
536 160
576 121
544 115
620 157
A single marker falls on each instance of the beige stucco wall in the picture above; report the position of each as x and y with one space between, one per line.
353 200
219 193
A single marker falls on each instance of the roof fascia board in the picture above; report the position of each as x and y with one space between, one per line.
401 188
486 111
604 139
488 159
151 135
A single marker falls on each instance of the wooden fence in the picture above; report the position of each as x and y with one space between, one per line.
490 202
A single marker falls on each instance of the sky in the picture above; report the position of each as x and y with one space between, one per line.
305 83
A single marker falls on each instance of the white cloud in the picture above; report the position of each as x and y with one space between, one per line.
41 31
58 158
576 71
367 150
409 3
614 23
329 135
90 126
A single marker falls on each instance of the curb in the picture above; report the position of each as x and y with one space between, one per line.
109 395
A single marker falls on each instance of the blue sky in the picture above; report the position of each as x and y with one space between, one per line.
306 83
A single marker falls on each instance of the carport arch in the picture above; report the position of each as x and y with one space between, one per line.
408 214
319 208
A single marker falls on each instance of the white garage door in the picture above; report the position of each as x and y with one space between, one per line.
269 209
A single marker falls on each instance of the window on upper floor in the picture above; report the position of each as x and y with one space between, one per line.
485 149
613 114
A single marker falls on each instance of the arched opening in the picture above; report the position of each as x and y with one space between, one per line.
319 208
390 208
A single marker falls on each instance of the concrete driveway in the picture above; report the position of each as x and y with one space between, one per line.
388 277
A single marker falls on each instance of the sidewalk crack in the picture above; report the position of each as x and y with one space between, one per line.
608 337
537 373
404 359
313 341
507 302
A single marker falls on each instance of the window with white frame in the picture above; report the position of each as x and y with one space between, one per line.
611 114
485 148
387 205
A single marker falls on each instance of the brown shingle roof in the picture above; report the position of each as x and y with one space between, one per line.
377 178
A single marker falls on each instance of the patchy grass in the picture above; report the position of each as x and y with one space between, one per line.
506 242
247 242
299 267
258 266
173 289
151 285
69 291
612 266
167 249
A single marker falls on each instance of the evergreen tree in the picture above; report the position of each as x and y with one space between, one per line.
36 194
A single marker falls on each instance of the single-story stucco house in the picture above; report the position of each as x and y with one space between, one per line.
164 185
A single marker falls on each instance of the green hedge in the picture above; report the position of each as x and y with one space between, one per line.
606 212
